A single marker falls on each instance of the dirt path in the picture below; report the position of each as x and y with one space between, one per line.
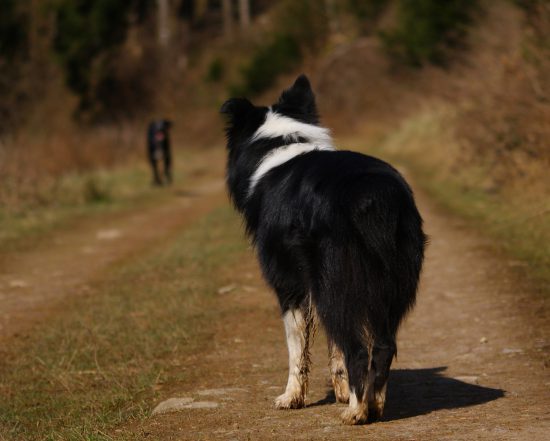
473 356
33 283
473 360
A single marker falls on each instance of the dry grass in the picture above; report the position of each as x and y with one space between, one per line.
33 169
100 363
51 201
477 135
503 118
516 212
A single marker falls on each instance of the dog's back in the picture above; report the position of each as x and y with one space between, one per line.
349 233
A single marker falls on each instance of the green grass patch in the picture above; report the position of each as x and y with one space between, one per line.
96 366
72 196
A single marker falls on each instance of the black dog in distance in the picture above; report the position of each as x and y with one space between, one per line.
158 151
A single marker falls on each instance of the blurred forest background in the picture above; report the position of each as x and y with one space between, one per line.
459 90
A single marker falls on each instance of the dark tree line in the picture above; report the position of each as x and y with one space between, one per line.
89 34
88 39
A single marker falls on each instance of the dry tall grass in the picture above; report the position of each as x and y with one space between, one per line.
477 134
504 118
37 170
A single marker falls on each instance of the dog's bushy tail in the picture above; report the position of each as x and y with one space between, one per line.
371 272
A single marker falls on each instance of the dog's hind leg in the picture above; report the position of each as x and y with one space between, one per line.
338 372
357 362
382 355
299 328
369 367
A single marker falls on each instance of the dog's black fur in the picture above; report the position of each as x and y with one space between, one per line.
338 226
158 150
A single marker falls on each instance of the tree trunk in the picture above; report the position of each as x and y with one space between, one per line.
163 22
244 14
227 10
201 8
332 16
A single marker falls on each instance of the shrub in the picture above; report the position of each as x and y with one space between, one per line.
305 21
13 29
366 11
87 34
302 27
216 71
95 190
426 29
280 55
13 55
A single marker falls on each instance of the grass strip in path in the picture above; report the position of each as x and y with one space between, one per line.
97 364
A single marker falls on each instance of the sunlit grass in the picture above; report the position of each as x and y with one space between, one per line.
97 365
517 218
72 196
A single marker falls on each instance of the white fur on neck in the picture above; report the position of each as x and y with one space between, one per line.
276 125
279 156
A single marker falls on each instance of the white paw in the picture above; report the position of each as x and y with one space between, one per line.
354 415
289 401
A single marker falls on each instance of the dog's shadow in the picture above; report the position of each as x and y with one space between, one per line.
413 392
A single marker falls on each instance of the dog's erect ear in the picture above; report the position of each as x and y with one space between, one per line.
299 99
302 83
236 107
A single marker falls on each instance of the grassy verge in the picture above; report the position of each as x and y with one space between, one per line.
98 364
518 218
73 197
89 194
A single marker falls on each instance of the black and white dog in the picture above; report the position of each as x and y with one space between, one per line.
338 237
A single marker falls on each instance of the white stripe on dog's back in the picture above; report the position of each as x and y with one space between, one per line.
279 156
276 125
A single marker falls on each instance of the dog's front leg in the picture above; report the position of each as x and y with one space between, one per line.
298 328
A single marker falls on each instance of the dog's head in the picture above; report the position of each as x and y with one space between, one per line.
254 132
244 118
